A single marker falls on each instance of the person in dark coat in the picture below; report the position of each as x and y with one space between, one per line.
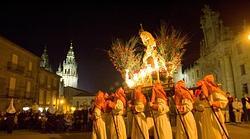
85 118
230 107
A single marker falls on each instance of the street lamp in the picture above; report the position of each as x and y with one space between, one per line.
248 36
61 101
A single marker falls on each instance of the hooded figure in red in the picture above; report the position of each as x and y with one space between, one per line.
118 105
139 124
181 92
159 104
184 103
215 97
99 128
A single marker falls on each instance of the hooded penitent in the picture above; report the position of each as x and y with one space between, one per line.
209 86
120 94
139 96
11 108
181 92
158 92
100 100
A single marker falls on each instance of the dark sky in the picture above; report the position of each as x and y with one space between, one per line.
93 27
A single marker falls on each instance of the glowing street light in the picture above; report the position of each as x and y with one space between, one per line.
26 108
248 36
41 109
61 101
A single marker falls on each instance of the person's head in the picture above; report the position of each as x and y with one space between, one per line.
228 94
235 99
106 95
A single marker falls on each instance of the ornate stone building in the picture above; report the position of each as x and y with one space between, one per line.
18 75
222 53
68 70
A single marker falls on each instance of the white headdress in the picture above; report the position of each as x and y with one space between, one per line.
11 108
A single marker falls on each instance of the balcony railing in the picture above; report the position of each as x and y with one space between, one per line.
15 67
43 85
29 74
18 93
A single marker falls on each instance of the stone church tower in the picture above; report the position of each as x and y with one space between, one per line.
68 70
45 60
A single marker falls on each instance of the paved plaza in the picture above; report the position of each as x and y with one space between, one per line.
236 131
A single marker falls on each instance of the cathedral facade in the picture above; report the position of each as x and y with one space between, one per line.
68 70
223 54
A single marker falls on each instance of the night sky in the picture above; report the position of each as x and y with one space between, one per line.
92 28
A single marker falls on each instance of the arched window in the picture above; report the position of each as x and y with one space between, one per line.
68 71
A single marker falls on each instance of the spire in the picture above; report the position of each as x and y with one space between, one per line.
45 49
45 59
70 56
71 45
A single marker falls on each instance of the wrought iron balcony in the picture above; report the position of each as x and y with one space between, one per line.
15 67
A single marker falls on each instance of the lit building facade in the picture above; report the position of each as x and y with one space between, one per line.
18 75
48 86
223 54
68 70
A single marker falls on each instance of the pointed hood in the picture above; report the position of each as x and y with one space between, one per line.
120 94
158 92
211 86
139 96
11 108
100 100
181 92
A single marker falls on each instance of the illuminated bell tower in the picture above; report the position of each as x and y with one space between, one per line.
68 70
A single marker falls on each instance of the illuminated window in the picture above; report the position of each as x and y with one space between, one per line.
239 49
54 97
14 59
197 73
30 66
12 83
245 88
28 87
242 69
42 79
41 97
48 97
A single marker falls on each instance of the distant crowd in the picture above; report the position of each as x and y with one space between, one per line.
237 110
48 121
